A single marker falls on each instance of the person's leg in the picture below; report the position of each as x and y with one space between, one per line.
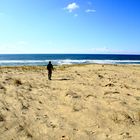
49 75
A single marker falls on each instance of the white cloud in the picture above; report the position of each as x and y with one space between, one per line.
90 11
71 7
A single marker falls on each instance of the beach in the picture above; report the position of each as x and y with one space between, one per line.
81 102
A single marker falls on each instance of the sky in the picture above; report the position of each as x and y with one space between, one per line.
70 26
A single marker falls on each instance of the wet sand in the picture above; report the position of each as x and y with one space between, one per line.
81 102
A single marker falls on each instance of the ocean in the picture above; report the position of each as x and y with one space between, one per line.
61 59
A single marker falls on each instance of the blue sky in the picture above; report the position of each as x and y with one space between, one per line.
70 26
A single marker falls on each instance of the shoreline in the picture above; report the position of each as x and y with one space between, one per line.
70 65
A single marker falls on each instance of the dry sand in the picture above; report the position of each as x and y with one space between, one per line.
85 102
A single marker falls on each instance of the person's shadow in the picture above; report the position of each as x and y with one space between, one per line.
62 79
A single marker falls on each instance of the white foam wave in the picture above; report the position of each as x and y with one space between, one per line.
66 61
62 62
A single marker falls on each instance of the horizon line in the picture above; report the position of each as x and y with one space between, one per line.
69 53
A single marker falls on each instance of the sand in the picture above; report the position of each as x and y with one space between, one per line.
81 102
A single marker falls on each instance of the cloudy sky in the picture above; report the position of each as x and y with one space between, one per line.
70 26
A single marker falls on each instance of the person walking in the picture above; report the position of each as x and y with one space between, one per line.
49 68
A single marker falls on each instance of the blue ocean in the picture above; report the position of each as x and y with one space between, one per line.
61 59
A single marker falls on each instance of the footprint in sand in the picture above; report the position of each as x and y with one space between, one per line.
72 94
91 96
109 85
16 82
137 98
2 89
25 105
122 117
100 76
111 92
125 135
2 118
77 108
88 97
65 137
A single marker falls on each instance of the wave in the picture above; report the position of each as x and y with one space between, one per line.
65 61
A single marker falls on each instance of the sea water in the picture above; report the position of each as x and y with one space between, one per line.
60 59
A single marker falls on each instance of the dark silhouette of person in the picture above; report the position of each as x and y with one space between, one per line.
49 68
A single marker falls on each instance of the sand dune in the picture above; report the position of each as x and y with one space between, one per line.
81 102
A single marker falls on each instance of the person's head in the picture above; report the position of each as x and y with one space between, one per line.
49 62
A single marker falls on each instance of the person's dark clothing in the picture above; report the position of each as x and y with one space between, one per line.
49 68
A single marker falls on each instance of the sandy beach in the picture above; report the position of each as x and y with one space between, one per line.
81 102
